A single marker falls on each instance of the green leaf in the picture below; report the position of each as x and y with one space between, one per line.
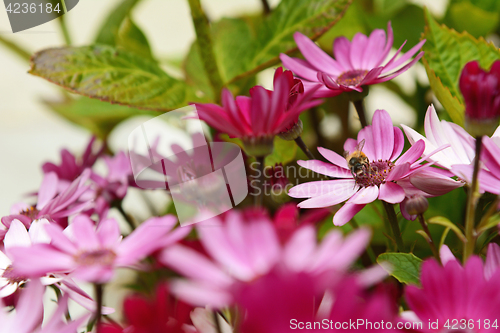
448 224
405 267
112 75
131 38
98 117
109 29
466 16
284 152
446 53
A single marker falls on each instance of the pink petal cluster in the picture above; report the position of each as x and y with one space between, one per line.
264 114
92 253
241 251
359 63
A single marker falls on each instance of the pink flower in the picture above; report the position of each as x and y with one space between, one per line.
52 204
71 168
441 133
262 115
92 254
456 292
358 63
383 145
29 314
281 302
242 251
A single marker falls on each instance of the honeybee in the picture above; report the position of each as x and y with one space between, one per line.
357 160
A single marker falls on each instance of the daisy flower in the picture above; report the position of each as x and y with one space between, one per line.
383 144
92 254
359 63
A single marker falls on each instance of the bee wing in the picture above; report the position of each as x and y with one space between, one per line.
360 145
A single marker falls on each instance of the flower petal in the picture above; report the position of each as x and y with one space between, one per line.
333 157
340 191
391 192
383 135
316 56
346 213
327 169
364 195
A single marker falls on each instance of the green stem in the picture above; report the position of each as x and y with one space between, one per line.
393 221
304 148
360 109
205 47
127 217
258 197
98 312
470 211
369 249
491 210
432 245
64 29
266 7
22 53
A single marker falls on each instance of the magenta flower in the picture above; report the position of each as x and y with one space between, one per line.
92 254
258 118
481 92
242 251
282 302
383 145
71 167
358 63
456 292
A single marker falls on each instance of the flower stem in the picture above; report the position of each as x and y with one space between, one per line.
304 148
432 245
258 197
393 221
266 7
470 211
205 47
127 217
64 29
360 109
98 312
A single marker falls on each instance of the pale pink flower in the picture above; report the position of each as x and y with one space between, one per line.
359 63
456 292
441 133
383 144
93 253
242 251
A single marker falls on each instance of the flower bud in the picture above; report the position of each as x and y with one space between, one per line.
293 132
481 92
417 205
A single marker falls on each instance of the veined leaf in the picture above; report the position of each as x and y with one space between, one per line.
112 75
405 267
446 53
131 38
98 117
